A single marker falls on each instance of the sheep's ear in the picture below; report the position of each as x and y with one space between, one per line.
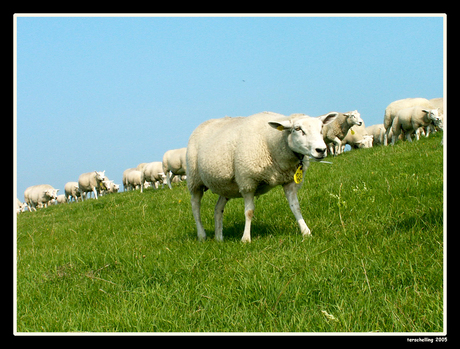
327 118
281 125
426 111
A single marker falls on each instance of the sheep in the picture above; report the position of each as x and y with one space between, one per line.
357 137
153 172
39 195
377 132
61 199
90 182
394 107
20 206
409 120
104 186
439 104
113 188
71 190
335 132
248 156
125 176
174 164
134 179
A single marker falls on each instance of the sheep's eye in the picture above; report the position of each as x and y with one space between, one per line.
298 128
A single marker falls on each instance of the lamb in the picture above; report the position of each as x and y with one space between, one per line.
248 156
409 120
335 132
39 195
61 199
71 190
90 182
104 186
174 164
377 131
153 172
113 188
357 137
394 107
134 179
125 177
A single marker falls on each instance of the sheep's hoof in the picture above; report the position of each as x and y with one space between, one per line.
306 234
202 237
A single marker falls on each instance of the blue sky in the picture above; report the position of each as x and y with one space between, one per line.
106 93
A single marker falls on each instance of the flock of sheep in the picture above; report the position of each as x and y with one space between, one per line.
142 176
247 156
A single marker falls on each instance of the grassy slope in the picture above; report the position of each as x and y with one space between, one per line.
131 262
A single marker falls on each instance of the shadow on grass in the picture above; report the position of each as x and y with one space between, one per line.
234 231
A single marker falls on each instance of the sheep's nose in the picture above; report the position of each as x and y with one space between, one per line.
320 150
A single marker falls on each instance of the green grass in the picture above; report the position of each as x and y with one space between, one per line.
131 261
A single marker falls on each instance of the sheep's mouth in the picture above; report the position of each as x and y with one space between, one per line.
317 158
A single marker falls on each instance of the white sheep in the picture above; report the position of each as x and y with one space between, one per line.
113 188
125 177
247 156
61 199
134 179
377 131
335 132
357 137
174 164
410 120
90 182
71 191
153 172
20 206
39 195
394 107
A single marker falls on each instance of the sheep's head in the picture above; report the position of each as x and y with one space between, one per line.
106 184
433 115
100 176
51 193
305 134
366 142
354 118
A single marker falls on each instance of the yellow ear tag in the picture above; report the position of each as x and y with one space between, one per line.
298 175
352 132
280 128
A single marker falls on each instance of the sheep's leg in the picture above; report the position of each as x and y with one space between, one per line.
386 135
408 137
218 217
337 144
196 206
169 177
95 193
248 213
290 190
